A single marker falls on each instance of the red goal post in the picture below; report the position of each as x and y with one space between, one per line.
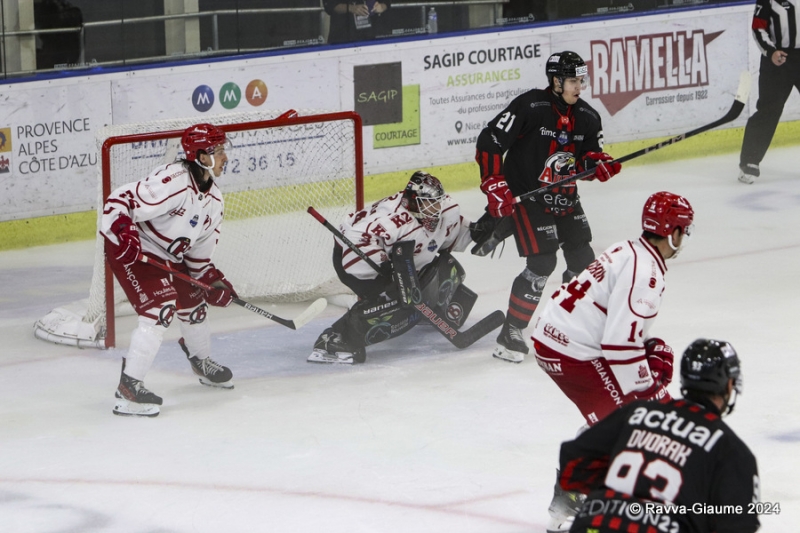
269 247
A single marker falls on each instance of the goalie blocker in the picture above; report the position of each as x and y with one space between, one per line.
438 294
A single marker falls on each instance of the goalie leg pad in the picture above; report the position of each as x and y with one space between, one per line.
371 322
457 310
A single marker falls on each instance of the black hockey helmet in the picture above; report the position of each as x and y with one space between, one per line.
423 197
565 64
707 365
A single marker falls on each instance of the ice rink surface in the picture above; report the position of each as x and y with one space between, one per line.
422 438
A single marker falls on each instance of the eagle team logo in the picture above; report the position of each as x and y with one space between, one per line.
559 166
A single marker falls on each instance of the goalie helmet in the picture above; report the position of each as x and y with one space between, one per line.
707 365
204 137
565 65
665 211
423 197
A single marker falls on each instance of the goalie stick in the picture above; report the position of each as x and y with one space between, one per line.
299 321
739 102
409 286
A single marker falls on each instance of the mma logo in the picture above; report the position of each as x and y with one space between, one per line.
230 95
626 67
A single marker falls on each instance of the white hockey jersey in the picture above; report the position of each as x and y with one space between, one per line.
376 229
607 311
176 221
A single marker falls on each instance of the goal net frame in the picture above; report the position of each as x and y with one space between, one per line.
60 327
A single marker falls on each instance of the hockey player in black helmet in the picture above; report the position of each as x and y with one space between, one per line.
542 137
709 368
423 214
678 452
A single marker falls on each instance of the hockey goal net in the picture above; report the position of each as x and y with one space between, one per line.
270 248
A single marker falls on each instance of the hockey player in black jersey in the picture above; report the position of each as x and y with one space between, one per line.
542 137
673 465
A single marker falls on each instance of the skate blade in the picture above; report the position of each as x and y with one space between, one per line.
320 356
561 525
224 385
504 354
125 407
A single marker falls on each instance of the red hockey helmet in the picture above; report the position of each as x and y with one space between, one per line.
665 211
204 137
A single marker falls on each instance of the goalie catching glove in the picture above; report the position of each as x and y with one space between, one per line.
501 201
222 292
659 358
603 164
129 246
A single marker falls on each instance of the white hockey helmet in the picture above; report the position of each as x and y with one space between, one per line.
423 197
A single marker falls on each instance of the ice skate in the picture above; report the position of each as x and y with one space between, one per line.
748 173
210 372
563 509
332 348
133 399
511 345
744 177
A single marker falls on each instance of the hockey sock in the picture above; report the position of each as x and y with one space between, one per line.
197 338
145 342
526 292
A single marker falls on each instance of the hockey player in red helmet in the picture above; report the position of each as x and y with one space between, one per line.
593 336
172 215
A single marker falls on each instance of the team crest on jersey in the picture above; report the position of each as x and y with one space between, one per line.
559 166
194 221
563 138
643 371
455 313
432 245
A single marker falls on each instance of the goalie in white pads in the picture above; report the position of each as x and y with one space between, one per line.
173 215
421 213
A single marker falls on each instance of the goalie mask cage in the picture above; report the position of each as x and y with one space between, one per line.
269 247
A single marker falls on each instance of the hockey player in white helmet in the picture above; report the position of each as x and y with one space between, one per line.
421 213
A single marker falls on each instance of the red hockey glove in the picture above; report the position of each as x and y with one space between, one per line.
660 358
501 201
222 292
129 246
604 165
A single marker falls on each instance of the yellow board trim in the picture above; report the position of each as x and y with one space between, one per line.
82 226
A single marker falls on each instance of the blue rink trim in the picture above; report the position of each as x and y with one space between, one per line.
278 352
791 436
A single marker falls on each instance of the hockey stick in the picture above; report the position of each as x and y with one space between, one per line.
410 288
736 109
299 321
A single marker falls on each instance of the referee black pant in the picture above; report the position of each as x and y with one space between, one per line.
774 87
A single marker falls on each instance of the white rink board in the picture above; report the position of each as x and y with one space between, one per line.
462 81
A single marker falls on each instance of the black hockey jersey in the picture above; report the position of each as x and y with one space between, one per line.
541 138
671 466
